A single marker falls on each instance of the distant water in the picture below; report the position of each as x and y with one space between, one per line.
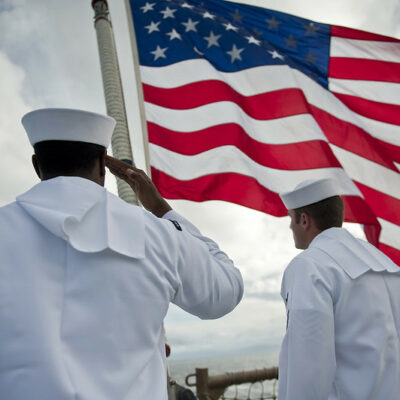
179 369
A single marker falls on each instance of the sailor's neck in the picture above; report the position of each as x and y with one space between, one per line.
91 177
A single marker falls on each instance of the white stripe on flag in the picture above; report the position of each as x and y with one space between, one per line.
381 130
390 233
366 49
369 173
384 92
227 159
277 131
247 82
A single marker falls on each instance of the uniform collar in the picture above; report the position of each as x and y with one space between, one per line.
353 255
86 215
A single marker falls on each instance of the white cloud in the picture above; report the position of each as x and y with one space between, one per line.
49 58
374 16
253 324
55 43
16 175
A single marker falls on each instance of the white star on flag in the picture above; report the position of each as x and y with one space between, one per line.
147 7
153 26
208 15
235 53
190 25
186 5
168 13
159 53
275 54
212 40
174 35
230 27
252 39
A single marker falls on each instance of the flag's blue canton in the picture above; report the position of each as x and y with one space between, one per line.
231 36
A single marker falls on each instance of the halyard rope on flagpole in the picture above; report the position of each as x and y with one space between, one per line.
115 104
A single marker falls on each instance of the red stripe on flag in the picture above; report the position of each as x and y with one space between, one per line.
303 155
247 192
357 210
389 113
383 205
264 106
350 33
352 138
392 151
232 187
391 252
361 69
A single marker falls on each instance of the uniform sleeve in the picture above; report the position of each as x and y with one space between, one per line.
307 360
209 285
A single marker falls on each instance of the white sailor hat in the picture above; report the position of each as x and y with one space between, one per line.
309 192
70 125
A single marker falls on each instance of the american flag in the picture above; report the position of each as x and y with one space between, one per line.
243 103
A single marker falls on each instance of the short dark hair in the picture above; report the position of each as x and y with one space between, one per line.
60 157
327 213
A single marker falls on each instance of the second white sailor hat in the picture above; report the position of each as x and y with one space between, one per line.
309 192
68 124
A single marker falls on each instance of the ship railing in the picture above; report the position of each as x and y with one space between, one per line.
213 387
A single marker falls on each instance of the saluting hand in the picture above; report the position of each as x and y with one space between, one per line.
141 184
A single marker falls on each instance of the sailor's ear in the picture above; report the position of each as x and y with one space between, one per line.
305 220
36 166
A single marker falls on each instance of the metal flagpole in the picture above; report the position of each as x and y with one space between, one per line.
120 142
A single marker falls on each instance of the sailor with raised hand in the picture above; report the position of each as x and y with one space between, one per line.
86 279
342 300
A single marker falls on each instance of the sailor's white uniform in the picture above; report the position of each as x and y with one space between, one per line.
343 335
85 283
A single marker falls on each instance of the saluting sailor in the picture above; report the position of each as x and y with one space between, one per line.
343 307
86 279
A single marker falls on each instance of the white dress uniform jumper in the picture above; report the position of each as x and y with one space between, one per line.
85 283
342 341
342 299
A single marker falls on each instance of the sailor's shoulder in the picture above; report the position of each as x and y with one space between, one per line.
307 259
12 218
165 227
10 210
153 226
312 263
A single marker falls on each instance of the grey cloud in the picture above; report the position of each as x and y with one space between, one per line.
16 175
370 15
255 322
48 57
55 44
272 296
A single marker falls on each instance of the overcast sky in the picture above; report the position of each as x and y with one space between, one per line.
49 58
